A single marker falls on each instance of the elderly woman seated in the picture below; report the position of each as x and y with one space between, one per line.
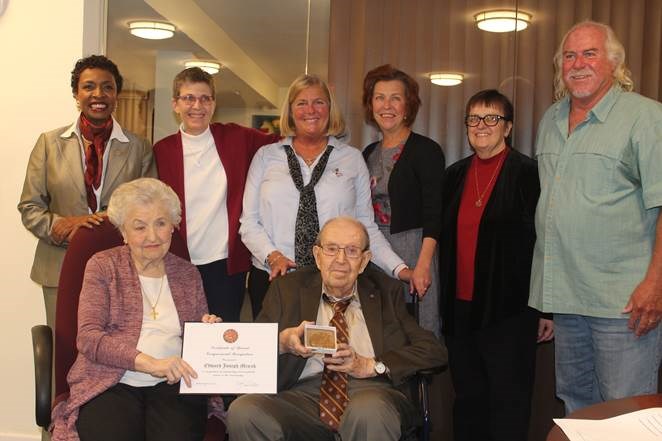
124 385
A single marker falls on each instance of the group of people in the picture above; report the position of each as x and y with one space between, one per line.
492 246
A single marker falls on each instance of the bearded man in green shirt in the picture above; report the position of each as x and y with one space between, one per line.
597 262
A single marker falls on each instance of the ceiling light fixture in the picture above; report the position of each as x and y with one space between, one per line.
151 30
446 79
506 20
211 67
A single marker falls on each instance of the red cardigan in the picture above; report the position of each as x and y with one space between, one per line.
236 146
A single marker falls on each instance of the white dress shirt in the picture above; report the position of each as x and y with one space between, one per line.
271 201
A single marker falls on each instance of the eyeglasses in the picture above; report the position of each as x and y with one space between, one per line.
489 120
351 251
190 100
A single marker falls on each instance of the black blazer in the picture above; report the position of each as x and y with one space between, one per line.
414 185
504 250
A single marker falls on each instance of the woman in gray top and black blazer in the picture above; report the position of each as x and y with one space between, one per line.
405 179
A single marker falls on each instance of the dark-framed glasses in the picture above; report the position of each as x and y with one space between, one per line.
489 120
190 100
351 251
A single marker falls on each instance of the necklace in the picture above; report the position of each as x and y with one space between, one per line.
479 201
154 312
311 159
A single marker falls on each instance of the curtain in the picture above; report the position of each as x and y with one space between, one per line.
132 112
426 36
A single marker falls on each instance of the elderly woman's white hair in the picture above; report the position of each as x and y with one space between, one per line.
143 191
615 53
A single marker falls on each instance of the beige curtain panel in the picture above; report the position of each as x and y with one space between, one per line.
132 112
426 36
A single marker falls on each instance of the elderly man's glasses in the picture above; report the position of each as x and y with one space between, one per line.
489 120
190 100
351 251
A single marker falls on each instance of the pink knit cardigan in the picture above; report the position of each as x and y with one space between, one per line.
110 317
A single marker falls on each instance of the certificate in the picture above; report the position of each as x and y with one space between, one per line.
231 358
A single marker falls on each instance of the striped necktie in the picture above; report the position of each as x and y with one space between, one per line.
333 390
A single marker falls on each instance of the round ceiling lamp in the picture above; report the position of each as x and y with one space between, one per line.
211 67
506 20
446 79
152 30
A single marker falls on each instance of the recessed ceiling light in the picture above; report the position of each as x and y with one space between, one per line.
446 79
506 20
211 67
151 30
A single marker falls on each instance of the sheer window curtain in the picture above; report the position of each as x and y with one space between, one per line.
425 36
133 112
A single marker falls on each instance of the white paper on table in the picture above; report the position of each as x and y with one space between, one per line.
642 425
231 358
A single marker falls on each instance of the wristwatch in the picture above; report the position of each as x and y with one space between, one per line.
380 368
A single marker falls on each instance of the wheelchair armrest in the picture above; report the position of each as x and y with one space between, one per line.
430 372
42 347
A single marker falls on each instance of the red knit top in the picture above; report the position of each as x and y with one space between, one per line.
478 184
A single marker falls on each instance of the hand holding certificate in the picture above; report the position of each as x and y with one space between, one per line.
231 358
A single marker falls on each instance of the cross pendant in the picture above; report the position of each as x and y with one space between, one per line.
479 203
154 314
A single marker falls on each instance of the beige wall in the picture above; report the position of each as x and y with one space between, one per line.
39 43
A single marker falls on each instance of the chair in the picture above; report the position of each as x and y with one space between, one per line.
423 380
84 245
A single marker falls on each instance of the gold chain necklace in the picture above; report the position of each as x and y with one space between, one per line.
154 312
479 201
310 160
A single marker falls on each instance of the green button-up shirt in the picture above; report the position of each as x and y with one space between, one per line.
601 189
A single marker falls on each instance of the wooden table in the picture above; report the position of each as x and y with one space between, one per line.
608 409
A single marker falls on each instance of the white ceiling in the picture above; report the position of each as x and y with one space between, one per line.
268 34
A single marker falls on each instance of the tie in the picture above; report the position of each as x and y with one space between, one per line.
97 136
333 390
307 224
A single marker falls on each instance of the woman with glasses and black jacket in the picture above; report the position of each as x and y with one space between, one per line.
486 246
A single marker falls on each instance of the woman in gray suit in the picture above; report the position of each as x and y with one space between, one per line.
73 170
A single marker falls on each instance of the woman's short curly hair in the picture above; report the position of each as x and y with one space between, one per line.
95 62
386 72
192 75
143 191
495 99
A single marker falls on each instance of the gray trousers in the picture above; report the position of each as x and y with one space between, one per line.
376 412
50 300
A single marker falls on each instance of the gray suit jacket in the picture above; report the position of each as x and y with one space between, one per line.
397 340
54 187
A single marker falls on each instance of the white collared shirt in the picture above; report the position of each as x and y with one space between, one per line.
117 133
271 201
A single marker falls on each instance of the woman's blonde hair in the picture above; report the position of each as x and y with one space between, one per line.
615 53
336 125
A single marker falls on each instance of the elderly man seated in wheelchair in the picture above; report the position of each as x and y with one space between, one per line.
124 384
356 392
